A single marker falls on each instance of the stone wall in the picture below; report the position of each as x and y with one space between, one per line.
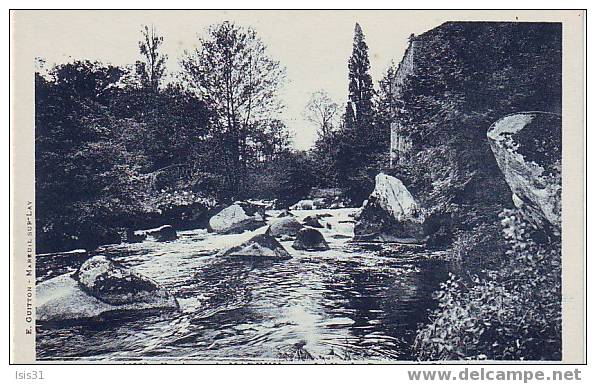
400 144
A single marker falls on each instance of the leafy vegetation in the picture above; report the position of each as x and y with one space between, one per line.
510 313
113 142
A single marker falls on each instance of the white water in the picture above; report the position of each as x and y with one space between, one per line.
350 302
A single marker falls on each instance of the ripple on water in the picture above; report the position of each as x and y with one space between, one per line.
352 302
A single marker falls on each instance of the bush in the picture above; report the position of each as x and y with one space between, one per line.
479 249
288 178
512 313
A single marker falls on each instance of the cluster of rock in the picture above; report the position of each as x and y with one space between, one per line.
285 228
236 218
304 234
102 287
99 288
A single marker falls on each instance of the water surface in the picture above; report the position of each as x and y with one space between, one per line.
352 302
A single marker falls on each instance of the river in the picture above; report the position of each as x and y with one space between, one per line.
354 302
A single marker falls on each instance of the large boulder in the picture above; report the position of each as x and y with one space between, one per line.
114 284
390 214
527 147
261 246
234 219
309 239
284 228
99 288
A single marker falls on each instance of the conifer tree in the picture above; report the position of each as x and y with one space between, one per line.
361 86
385 105
354 148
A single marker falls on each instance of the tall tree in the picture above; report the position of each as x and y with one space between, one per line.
232 72
361 86
353 160
323 112
151 70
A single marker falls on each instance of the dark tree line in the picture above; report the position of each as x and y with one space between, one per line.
112 141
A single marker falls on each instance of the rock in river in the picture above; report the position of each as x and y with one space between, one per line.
163 233
259 246
390 215
527 147
284 213
134 237
312 221
234 219
285 228
309 239
303 204
100 287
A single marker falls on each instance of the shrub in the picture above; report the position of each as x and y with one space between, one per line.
511 313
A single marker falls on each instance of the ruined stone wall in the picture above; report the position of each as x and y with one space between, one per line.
399 144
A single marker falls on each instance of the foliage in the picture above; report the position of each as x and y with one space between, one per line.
113 143
466 76
360 82
232 73
505 302
288 178
82 169
351 156
479 249
513 312
100 145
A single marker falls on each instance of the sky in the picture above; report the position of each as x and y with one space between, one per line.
314 46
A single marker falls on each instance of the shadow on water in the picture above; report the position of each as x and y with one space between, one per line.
350 303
